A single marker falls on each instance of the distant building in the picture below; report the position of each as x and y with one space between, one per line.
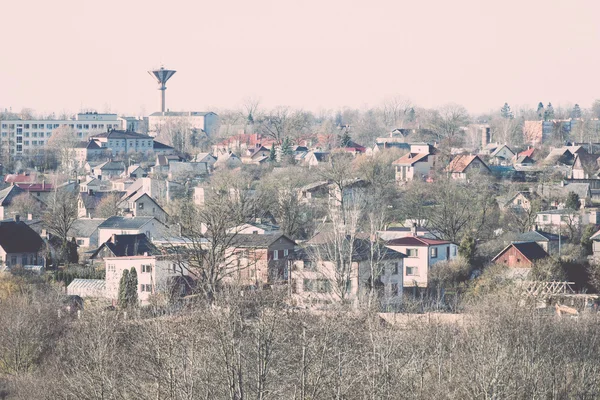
207 122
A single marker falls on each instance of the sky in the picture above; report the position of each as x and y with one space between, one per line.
70 55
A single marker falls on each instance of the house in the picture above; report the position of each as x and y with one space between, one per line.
136 171
207 159
520 255
108 169
19 178
85 151
398 232
314 191
385 145
20 246
523 161
316 158
124 142
256 228
182 171
259 259
41 191
548 241
117 225
522 200
161 190
156 273
85 232
413 166
206 122
465 164
227 160
556 220
140 204
557 194
8 194
585 166
596 245
94 184
163 149
421 255
88 202
502 155
316 279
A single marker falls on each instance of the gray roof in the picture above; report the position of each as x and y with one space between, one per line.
7 195
115 134
111 166
538 236
257 241
118 222
85 227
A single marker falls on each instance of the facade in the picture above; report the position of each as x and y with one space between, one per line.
463 165
139 204
555 220
29 136
207 122
20 246
421 255
124 142
413 166
520 255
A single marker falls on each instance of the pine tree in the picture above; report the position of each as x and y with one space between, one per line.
273 153
572 201
586 241
411 115
122 296
286 147
250 119
466 249
72 255
540 110
549 113
345 139
132 288
576 111
506 112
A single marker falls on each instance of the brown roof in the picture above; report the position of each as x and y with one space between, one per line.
416 241
461 162
410 159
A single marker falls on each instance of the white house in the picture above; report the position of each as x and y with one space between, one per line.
156 274
421 254
207 122
150 226
555 220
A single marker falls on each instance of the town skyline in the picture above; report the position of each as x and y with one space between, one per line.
328 56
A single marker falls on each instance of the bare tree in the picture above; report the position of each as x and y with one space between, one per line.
62 143
60 216
447 122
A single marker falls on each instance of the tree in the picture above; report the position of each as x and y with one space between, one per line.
25 204
506 112
273 153
586 241
540 110
131 288
72 254
576 112
549 112
467 248
60 216
108 206
573 202
122 296
345 139
62 143
447 122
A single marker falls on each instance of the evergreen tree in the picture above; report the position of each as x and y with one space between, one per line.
250 119
506 112
572 201
122 296
576 111
466 249
411 115
286 147
345 139
72 255
540 110
273 153
549 113
586 241
132 288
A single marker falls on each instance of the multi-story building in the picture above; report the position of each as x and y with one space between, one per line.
20 136
207 122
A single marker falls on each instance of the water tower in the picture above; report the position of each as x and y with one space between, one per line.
162 75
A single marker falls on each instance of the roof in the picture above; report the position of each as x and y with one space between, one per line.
115 134
392 145
528 152
499 148
111 166
158 145
7 195
86 284
91 201
85 227
362 250
522 159
19 178
18 237
411 159
181 113
538 236
416 241
118 222
587 162
558 190
530 250
562 211
128 246
257 241
460 163
36 187
321 156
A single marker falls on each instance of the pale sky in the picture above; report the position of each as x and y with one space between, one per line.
313 54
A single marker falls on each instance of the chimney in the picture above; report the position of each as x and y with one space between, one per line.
413 229
113 238
17 218
29 217
43 184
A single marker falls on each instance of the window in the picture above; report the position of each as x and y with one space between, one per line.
34 134
412 271
41 142
317 285
310 266
34 126
19 147
412 252
79 126
109 267
19 131
26 126
3 126
79 241
56 126
94 126
172 268
397 269
545 218
146 268
26 143
276 255
285 252
26 134
146 288
141 206
434 252
20 139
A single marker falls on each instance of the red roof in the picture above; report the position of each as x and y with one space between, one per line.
416 241
36 187
528 152
410 158
19 178
461 162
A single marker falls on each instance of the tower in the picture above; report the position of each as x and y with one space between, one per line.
162 75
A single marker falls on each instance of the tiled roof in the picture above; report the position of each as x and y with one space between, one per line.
85 227
411 159
537 236
528 152
115 134
36 187
461 162
416 241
